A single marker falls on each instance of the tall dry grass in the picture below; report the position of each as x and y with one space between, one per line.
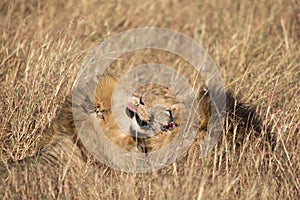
255 45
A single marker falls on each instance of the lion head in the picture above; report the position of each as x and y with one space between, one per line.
153 110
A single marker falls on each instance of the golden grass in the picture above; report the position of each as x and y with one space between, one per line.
255 45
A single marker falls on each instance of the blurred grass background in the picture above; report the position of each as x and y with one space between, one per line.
254 44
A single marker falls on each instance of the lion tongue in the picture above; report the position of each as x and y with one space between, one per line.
132 107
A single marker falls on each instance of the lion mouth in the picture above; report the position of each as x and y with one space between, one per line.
141 131
138 127
132 108
132 112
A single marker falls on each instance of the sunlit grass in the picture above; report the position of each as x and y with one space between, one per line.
255 45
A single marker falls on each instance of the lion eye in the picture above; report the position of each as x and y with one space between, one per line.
171 115
171 123
141 100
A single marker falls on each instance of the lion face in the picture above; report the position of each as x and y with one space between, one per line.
155 117
149 116
154 114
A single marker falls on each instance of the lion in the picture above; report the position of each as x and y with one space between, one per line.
155 120
155 115
154 112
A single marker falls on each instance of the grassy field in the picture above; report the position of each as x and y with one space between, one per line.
254 44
